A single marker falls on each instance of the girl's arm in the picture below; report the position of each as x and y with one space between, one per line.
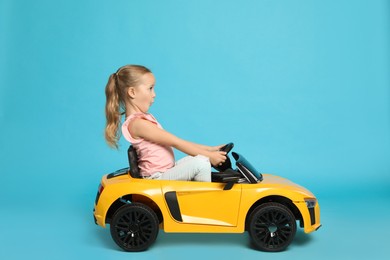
210 148
141 128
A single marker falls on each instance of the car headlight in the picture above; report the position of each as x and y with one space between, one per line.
310 203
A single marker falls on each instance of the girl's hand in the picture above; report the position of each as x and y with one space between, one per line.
217 157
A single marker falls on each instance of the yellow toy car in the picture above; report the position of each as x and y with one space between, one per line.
239 200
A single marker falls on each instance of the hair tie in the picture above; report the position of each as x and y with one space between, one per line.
115 75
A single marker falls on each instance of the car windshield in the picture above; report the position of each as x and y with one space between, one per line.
244 162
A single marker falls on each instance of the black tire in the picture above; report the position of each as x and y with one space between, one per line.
272 227
134 227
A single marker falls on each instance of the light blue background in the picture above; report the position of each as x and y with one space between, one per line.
301 87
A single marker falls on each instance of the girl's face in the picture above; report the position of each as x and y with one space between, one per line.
143 95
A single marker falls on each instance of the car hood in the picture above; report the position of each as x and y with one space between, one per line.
283 183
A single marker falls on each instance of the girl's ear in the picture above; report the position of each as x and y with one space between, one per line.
131 92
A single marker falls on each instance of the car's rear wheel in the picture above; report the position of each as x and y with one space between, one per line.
134 227
272 227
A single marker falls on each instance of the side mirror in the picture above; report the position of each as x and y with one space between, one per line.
230 182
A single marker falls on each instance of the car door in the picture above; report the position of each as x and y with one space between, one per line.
202 202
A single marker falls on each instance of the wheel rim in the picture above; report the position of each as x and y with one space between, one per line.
273 229
134 229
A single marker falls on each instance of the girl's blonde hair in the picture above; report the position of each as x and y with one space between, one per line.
116 98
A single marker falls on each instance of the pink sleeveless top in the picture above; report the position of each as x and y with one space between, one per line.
152 157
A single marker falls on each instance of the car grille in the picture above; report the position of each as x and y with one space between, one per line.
312 216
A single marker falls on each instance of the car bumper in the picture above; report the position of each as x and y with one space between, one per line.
97 218
310 217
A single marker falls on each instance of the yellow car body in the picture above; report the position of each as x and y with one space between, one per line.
265 205
206 207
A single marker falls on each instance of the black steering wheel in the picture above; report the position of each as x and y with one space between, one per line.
227 164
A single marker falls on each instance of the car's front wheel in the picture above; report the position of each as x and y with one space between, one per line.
272 227
134 227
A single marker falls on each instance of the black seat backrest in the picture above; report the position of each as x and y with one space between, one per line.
133 161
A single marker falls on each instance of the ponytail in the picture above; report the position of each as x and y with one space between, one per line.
113 115
117 98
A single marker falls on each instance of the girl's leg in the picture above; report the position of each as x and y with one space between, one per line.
189 168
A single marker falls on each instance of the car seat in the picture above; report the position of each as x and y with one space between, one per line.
133 162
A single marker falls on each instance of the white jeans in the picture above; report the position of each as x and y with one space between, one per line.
189 168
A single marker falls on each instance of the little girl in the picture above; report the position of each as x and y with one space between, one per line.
130 91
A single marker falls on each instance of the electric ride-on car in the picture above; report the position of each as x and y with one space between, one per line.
237 200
